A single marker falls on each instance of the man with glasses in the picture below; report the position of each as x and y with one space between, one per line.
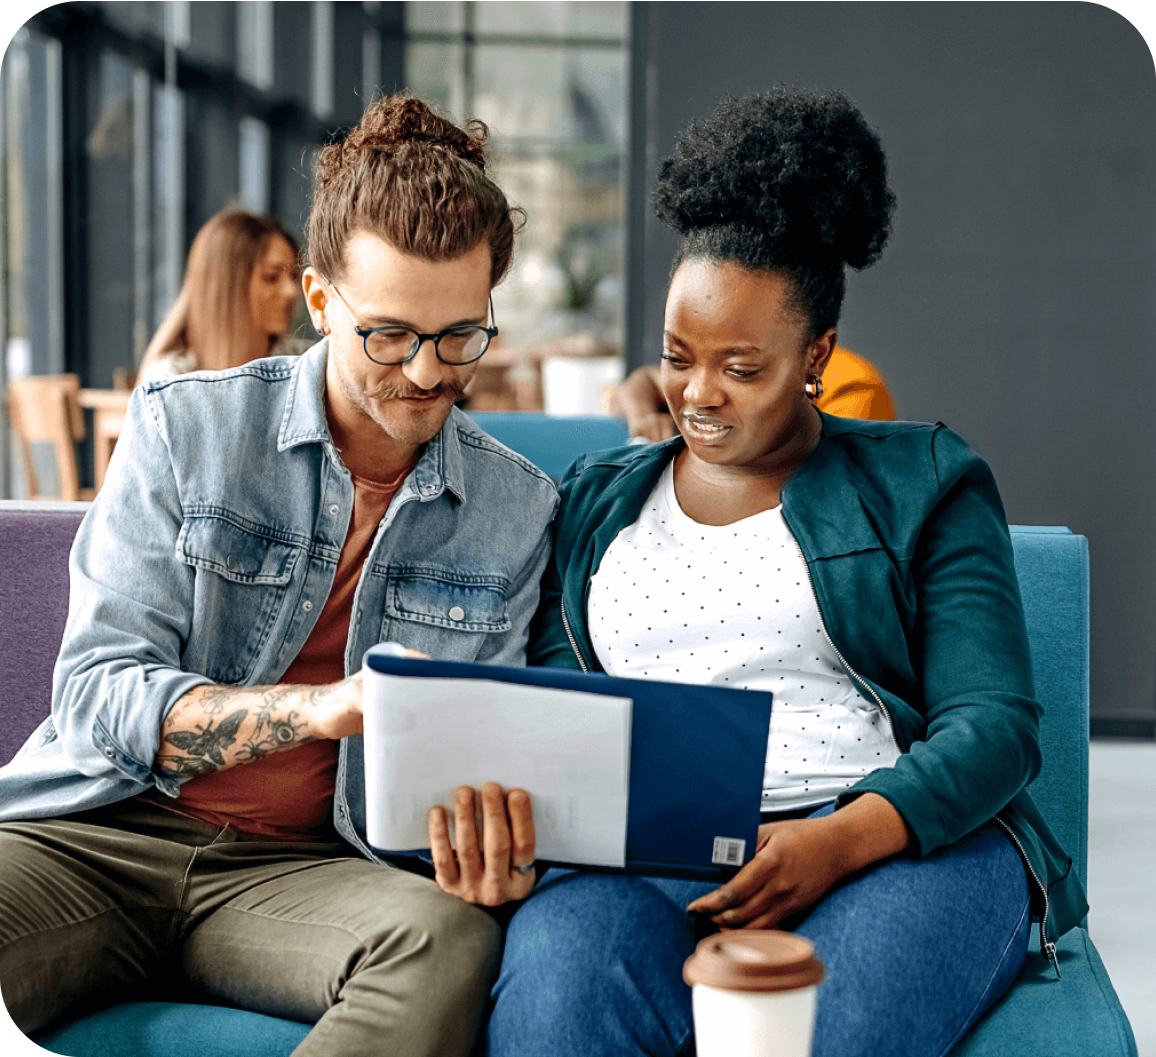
192 815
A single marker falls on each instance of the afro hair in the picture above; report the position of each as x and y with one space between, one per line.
786 181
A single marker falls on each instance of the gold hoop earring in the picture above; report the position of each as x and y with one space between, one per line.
814 387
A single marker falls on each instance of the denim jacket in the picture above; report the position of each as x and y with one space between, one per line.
210 551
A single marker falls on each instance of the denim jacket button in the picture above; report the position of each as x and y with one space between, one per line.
108 752
333 509
457 613
307 606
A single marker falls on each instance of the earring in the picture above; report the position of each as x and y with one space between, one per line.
814 387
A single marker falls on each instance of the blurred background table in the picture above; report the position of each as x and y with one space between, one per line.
108 407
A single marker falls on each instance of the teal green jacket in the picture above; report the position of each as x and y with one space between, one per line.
904 534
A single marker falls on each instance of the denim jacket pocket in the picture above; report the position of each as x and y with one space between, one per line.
430 609
243 578
235 551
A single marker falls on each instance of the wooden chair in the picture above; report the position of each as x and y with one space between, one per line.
45 410
109 408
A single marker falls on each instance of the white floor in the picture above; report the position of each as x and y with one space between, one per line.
1121 875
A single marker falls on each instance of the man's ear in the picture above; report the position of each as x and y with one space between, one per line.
316 298
819 354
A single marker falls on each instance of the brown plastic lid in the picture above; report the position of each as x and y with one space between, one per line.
754 960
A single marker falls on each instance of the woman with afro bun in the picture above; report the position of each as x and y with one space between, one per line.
860 571
757 176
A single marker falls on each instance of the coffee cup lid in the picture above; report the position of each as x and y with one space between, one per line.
754 960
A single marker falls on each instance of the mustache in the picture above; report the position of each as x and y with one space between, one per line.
451 388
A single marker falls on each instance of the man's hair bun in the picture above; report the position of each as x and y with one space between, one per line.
417 180
401 125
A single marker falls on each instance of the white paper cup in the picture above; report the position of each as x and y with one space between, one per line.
754 994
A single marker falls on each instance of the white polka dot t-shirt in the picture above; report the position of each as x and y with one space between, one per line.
732 605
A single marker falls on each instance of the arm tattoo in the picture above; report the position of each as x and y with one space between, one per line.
284 733
213 744
216 699
203 749
273 697
180 766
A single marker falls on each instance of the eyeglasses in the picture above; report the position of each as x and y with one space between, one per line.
397 343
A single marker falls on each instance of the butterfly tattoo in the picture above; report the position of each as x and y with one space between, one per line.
206 745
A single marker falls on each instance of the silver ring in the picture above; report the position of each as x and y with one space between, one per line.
528 868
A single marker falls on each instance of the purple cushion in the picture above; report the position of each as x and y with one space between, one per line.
34 546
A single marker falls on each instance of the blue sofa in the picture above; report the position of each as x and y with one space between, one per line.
1078 1016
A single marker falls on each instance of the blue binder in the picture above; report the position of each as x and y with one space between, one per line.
697 760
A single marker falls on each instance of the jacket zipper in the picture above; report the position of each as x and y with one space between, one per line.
842 660
573 641
1048 950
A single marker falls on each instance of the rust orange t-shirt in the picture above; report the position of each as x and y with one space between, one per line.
289 795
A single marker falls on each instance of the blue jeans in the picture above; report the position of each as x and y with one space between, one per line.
915 949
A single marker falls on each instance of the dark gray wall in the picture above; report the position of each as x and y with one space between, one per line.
1015 301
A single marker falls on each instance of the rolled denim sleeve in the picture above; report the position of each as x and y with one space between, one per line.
130 610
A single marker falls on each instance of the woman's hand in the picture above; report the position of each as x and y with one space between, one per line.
795 864
798 861
485 872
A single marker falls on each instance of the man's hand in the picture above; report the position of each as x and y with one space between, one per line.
798 861
486 871
336 709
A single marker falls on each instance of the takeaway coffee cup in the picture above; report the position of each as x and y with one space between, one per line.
754 994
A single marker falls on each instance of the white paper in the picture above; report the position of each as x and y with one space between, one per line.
570 751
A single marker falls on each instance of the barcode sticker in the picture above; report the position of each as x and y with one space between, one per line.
728 851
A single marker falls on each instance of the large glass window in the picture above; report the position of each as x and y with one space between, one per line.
30 250
33 287
167 234
109 209
549 79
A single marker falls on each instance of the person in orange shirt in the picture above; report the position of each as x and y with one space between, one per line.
851 387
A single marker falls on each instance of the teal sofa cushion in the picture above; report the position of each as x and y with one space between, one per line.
1052 567
552 443
1076 1016
174 1029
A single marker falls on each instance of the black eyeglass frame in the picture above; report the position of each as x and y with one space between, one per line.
365 333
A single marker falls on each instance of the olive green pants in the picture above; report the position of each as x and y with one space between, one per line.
133 902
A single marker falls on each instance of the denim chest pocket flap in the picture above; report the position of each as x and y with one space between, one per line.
240 554
447 600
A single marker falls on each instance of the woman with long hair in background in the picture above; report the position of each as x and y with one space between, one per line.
237 301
